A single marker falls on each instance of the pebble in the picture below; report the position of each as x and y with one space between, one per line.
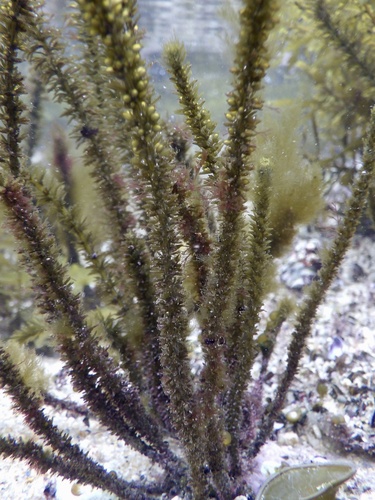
288 439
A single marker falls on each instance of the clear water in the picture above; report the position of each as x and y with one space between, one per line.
207 30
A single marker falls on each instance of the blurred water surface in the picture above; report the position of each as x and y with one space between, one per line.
202 28
197 23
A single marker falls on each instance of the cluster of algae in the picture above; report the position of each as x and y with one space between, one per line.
181 245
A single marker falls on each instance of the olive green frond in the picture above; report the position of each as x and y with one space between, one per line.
192 106
12 25
318 289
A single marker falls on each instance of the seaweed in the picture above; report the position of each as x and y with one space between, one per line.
178 238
